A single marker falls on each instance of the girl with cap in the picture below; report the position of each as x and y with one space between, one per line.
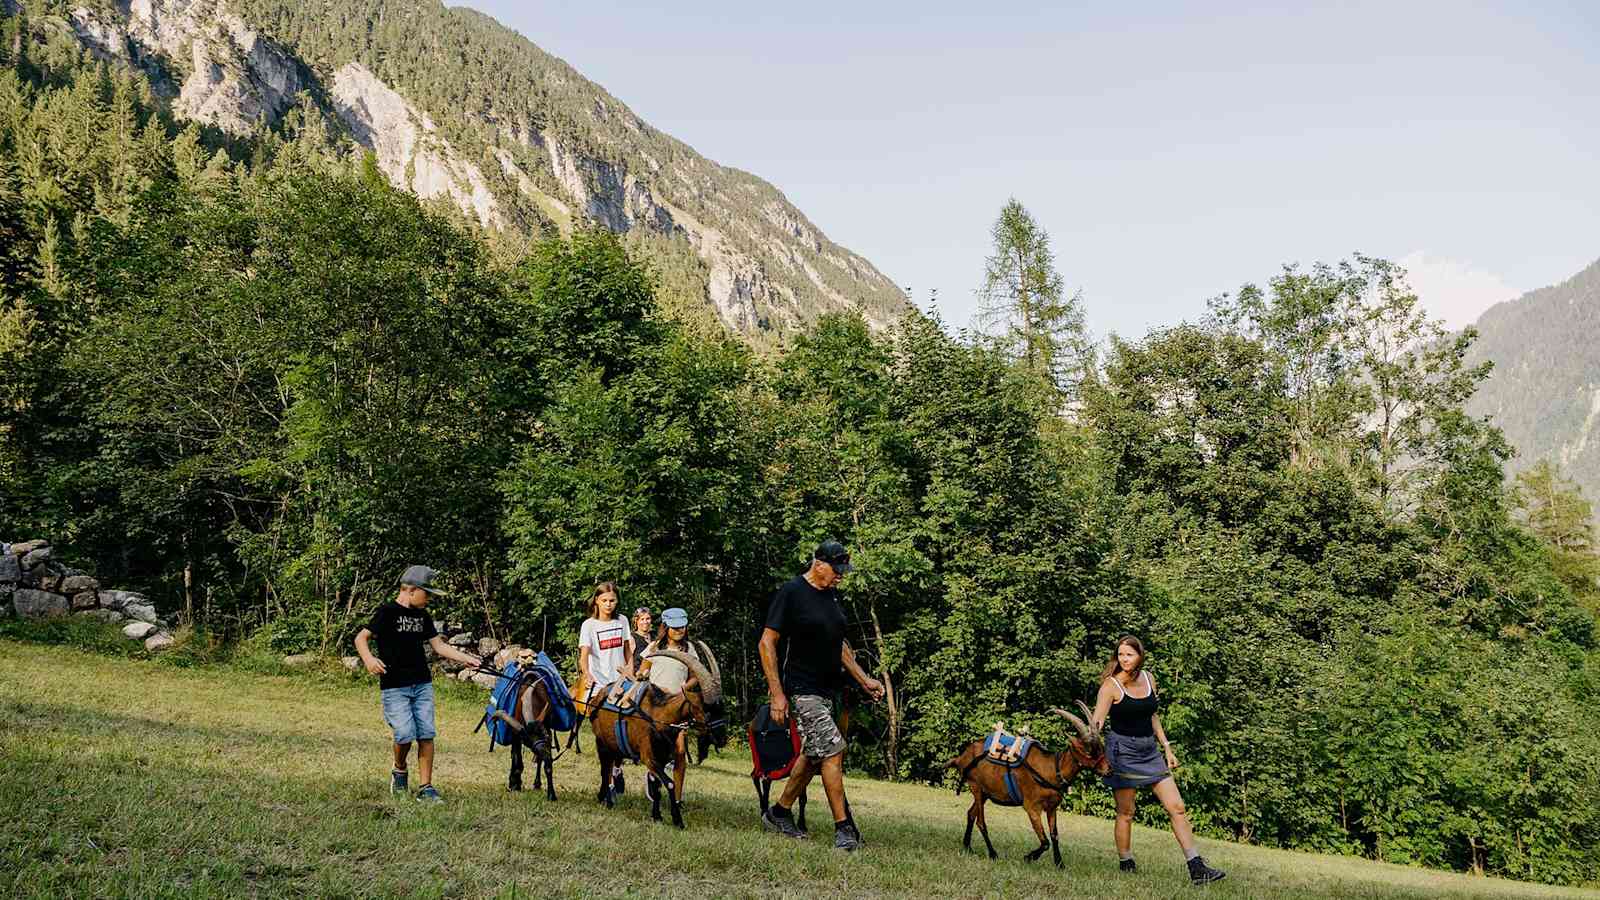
1128 698
668 674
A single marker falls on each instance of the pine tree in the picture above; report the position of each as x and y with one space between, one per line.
1025 304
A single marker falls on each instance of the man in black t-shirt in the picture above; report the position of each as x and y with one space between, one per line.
402 628
803 650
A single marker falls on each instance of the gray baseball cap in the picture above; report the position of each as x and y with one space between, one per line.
422 577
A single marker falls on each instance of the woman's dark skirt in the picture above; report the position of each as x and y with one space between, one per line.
1135 761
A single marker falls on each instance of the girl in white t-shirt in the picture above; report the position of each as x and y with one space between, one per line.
605 643
605 651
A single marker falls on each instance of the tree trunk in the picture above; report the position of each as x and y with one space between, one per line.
893 748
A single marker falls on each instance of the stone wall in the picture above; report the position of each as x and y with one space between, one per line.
35 585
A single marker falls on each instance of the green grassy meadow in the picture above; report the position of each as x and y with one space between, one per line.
125 777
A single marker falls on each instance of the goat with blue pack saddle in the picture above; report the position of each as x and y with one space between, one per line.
647 731
528 706
1015 770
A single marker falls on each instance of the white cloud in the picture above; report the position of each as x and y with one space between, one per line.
1453 290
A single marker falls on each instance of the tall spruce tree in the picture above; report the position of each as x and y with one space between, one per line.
1025 303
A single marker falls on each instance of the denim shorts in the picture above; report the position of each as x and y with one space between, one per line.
409 711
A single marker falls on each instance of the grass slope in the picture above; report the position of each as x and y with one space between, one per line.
123 777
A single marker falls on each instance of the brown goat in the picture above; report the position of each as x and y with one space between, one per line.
654 726
1041 780
528 728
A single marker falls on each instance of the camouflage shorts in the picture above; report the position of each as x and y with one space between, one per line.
819 736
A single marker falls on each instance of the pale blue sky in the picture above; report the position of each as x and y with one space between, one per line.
1173 151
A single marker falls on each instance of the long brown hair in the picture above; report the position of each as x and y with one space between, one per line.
1113 667
594 598
661 638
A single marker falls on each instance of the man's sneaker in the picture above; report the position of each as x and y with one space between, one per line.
1200 873
778 819
1127 865
429 795
845 837
397 782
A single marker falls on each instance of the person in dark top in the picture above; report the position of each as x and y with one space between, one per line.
1128 699
803 649
402 627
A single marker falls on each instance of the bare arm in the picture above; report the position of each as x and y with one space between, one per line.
869 684
779 704
448 652
374 665
627 658
643 668
1102 704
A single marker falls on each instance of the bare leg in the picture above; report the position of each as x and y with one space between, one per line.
680 771
1167 792
400 752
833 784
1124 830
799 777
425 761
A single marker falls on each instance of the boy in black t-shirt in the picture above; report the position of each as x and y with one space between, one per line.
802 652
402 627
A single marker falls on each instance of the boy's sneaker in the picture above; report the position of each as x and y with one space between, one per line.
1200 873
397 782
778 819
845 837
1127 865
429 795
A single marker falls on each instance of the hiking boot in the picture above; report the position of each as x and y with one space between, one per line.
1127 865
778 819
397 782
1200 873
429 795
845 837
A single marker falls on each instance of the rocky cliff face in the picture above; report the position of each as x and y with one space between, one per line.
766 267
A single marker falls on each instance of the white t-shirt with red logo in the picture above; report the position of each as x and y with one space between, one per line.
605 641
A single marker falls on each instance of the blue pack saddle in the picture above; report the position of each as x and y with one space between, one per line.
1007 750
625 692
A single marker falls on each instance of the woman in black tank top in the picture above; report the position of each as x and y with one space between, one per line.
1140 755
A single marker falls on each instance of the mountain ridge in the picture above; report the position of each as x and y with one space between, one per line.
1544 390
456 106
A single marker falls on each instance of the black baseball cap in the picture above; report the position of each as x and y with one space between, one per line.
833 553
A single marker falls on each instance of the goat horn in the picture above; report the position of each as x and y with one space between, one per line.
1077 723
710 690
1088 714
711 659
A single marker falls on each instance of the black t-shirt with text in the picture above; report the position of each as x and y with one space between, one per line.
810 627
402 632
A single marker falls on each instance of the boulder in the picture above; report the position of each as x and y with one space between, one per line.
464 639
451 666
482 679
119 599
10 569
299 660
505 655
463 675
36 557
144 612
74 584
33 604
104 615
138 631
488 647
26 547
353 663
158 641
438 626
86 600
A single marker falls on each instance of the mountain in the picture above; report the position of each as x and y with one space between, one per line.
1544 391
459 109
